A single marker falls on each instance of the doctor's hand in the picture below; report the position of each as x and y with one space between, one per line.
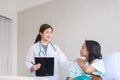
80 61
35 67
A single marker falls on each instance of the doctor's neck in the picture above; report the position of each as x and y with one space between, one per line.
44 42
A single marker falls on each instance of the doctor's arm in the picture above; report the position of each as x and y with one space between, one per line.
30 61
63 61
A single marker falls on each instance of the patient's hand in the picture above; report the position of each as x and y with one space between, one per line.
85 68
70 78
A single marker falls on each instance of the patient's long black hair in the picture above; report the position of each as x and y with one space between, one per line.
94 50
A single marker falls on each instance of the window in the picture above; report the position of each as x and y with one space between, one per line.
4 44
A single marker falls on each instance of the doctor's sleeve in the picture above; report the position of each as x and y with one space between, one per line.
30 58
63 60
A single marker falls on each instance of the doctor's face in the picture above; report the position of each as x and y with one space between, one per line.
83 51
46 35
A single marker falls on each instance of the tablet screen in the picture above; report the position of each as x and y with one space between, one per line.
47 66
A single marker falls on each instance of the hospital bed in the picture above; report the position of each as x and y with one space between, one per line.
21 78
112 66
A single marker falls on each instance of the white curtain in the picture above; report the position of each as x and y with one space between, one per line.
4 44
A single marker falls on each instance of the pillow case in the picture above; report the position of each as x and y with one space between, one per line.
112 66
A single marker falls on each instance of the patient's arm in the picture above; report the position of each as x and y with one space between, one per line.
86 69
70 78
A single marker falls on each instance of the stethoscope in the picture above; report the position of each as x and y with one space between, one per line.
41 51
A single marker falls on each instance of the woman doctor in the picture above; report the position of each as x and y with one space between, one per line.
43 47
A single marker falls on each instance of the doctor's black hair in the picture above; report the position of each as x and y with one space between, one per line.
94 50
43 27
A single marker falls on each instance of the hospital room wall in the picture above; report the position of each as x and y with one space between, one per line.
8 10
73 21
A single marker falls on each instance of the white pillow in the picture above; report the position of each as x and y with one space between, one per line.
112 66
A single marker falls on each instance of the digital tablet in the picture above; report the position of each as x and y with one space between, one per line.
47 66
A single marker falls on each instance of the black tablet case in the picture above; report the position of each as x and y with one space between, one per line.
47 66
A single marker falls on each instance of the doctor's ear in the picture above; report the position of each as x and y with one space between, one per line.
40 33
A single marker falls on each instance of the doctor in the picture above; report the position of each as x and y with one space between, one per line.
43 47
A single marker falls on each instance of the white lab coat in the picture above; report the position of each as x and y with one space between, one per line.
60 58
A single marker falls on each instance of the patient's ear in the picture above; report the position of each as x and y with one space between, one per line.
40 33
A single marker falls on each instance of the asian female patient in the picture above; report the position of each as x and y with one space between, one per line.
83 69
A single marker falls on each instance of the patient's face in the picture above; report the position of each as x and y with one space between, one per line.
83 51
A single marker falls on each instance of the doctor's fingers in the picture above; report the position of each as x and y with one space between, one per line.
80 60
37 66
76 59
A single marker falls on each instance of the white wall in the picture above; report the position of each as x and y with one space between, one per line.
73 22
8 9
27 4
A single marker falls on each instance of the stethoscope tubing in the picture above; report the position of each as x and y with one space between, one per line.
44 52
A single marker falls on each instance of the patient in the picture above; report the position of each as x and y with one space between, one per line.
83 69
